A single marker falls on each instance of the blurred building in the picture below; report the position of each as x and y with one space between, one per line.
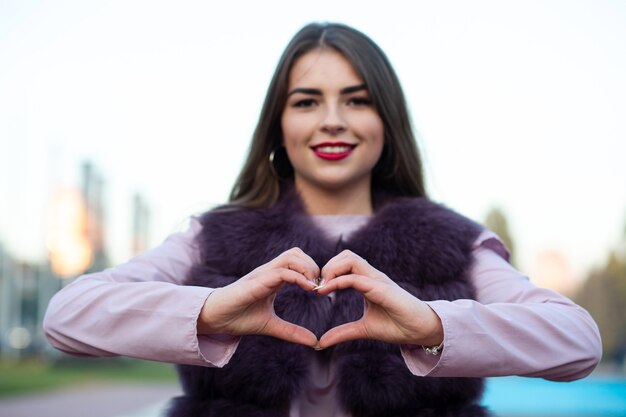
25 290
76 242
93 195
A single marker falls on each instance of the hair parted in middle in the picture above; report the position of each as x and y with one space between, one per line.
399 170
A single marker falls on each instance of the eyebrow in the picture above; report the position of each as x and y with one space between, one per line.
318 92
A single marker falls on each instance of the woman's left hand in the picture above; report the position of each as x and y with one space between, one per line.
391 314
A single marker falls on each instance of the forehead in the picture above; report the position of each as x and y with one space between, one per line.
323 68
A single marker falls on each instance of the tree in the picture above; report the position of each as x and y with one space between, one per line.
497 222
604 296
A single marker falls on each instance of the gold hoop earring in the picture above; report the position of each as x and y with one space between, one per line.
271 161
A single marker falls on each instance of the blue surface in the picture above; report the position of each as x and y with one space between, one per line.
590 397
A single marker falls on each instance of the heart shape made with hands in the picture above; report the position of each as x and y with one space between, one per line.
391 314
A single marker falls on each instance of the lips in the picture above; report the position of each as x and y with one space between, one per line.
333 151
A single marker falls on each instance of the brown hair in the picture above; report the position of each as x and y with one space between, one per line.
399 169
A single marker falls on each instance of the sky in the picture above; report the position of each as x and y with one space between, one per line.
517 104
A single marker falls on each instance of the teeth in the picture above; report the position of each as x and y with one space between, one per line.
333 149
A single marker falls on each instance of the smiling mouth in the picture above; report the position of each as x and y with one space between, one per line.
333 151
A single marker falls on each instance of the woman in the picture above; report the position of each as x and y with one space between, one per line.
330 285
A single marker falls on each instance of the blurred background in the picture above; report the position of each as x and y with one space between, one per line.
120 119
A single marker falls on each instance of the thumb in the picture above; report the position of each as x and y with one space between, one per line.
343 333
290 332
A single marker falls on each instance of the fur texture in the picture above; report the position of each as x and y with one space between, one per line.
423 246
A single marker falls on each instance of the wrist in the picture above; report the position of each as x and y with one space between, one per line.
203 323
433 344
435 334
202 327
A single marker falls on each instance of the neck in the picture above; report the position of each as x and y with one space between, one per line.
351 200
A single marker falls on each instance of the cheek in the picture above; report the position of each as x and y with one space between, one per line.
370 127
375 132
380 132
292 131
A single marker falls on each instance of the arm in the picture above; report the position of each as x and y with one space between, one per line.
139 309
513 328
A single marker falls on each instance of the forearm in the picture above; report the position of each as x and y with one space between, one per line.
551 340
513 328
146 320
138 309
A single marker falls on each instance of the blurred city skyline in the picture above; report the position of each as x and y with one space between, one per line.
519 105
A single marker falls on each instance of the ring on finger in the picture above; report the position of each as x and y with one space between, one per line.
319 284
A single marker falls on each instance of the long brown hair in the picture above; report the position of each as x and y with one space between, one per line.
399 170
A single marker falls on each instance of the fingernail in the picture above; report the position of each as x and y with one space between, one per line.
318 347
320 284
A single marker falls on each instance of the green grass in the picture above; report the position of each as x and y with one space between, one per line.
36 375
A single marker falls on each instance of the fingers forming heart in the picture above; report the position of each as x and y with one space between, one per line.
390 313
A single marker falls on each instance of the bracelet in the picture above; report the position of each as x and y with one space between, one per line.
433 350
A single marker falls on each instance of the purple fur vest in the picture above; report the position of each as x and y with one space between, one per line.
424 247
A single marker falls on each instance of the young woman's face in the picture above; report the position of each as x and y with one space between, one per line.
332 133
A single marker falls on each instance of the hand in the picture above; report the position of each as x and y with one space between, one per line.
246 306
391 314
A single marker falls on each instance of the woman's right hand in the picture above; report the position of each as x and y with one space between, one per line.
246 306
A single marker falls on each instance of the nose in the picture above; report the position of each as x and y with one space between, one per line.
333 122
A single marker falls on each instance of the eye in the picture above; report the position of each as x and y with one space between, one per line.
360 101
304 103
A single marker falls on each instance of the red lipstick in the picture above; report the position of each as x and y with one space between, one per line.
333 151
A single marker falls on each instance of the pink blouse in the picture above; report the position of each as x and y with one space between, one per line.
139 309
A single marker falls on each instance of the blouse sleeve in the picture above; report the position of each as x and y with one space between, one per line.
512 328
139 309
